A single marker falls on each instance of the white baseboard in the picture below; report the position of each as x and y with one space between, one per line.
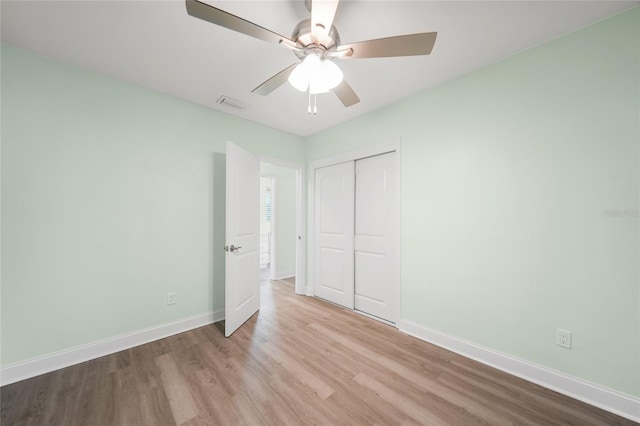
21 370
284 274
608 399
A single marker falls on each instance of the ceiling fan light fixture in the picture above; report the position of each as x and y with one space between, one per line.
298 78
306 73
331 74
315 75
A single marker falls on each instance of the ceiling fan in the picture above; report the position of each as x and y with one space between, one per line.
316 42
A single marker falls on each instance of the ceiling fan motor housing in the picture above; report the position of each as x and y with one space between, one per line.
302 36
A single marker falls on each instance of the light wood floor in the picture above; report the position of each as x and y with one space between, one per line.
298 361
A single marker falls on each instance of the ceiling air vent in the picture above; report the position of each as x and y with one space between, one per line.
234 103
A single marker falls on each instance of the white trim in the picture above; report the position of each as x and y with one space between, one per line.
357 154
280 162
285 274
311 220
608 399
273 258
395 145
301 217
22 370
398 230
300 273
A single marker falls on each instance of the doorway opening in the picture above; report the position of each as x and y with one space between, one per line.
279 234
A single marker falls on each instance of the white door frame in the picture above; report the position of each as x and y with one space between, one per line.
301 286
364 152
274 223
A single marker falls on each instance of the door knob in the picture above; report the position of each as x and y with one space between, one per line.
232 248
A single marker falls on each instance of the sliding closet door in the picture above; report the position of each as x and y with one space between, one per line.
334 216
375 233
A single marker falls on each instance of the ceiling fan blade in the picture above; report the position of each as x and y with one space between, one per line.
404 45
345 93
225 19
322 14
274 82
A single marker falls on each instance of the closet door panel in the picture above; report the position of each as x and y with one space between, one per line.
334 230
374 242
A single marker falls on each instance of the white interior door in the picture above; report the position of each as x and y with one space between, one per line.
242 259
334 209
375 229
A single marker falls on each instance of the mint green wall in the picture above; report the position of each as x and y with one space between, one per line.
112 196
286 211
507 174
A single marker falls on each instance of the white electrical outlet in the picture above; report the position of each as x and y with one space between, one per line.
171 298
563 338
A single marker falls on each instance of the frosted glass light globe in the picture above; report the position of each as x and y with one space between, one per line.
331 74
298 78
315 75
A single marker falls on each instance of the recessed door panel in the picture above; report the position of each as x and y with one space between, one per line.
333 195
372 181
371 277
332 269
246 262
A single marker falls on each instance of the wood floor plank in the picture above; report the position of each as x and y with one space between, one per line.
154 408
294 368
299 361
177 390
215 400
417 412
126 398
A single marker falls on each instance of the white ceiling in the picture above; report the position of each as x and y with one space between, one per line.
155 44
